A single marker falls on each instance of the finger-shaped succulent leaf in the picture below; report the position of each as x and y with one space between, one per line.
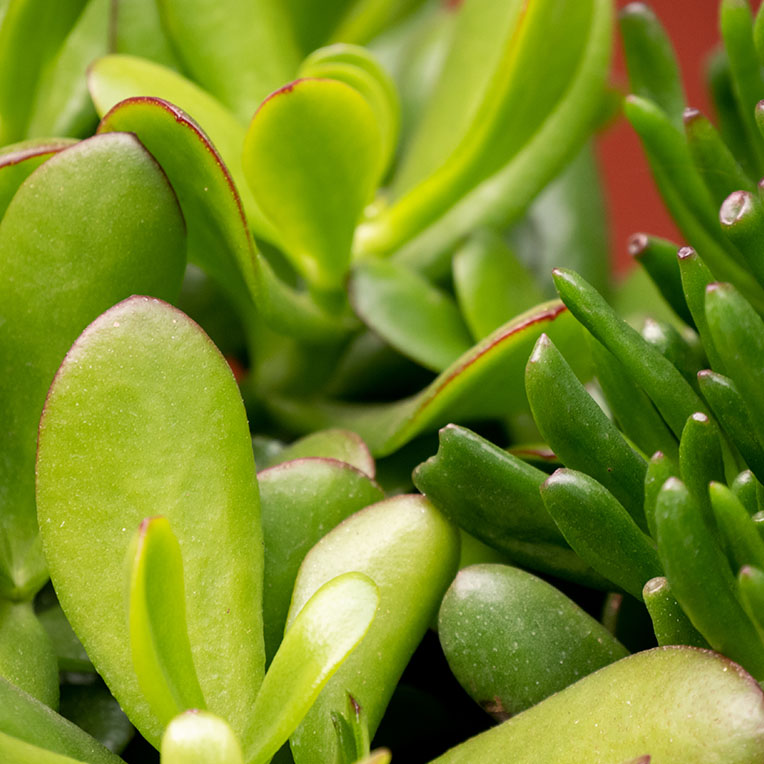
579 431
237 50
600 530
740 539
745 486
731 410
683 349
680 703
342 445
412 315
161 428
156 609
219 237
491 283
57 278
742 221
312 156
486 381
319 639
495 497
199 737
701 580
301 501
24 718
669 391
27 45
738 334
670 623
651 61
751 584
659 470
26 653
410 551
512 639
19 160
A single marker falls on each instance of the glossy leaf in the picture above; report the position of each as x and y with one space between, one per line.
24 718
185 452
199 737
239 51
301 501
312 156
410 551
600 530
342 445
742 220
485 382
679 702
751 583
131 239
740 538
412 315
745 487
682 349
318 641
659 470
156 612
512 639
670 623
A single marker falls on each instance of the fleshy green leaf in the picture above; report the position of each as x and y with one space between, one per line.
161 428
319 639
343 445
199 737
670 623
58 277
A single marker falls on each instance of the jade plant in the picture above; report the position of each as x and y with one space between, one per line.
359 202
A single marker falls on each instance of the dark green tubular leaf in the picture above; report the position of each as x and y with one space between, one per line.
186 452
600 530
680 703
156 612
631 408
485 382
738 333
342 445
300 502
27 657
357 67
30 35
491 283
410 551
659 470
736 25
658 257
751 586
412 315
695 278
740 538
651 61
19 160
238 51
495 497
59 277
701 580
685 194
579 431
24 718
135 27
219 236
730 409
714 161
312 156
512 640
669 391
670 623
700 460
745 487
742 220
326 630
62 104
199 737
682 349
491 172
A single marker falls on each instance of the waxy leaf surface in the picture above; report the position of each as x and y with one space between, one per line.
145 418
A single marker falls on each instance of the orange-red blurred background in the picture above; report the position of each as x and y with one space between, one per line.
634 203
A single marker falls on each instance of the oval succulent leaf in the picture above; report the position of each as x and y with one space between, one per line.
512 639
157 622
130 239
679 702
199 737
312 156
342 445
183 450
